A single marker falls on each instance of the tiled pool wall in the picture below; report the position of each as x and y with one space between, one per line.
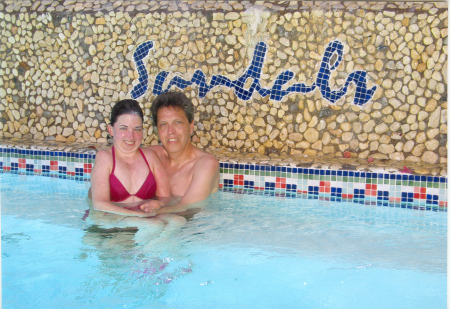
367 188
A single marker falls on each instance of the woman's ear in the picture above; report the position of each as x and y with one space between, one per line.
109 128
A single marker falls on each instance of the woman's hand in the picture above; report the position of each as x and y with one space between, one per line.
146 214
151 206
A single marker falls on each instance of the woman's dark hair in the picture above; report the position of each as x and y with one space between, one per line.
125 107
172 99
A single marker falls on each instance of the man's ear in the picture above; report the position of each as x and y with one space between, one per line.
191 126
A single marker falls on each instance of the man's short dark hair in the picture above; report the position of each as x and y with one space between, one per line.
175 100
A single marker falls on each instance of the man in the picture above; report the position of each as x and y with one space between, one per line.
193 173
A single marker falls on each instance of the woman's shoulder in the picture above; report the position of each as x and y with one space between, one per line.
103 161
104 155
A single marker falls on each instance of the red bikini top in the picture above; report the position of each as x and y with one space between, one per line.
118 192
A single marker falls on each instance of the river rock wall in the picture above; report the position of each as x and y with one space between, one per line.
360 79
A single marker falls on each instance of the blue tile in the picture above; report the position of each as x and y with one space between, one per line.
291 187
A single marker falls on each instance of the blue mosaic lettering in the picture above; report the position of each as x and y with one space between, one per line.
139 55
362 93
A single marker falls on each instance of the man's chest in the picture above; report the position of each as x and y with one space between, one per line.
180 178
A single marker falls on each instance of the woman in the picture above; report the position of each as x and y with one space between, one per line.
125 177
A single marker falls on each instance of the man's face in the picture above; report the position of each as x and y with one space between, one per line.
174 129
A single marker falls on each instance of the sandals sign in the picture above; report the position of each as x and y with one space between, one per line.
328 64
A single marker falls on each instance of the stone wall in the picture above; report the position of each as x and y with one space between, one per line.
302 78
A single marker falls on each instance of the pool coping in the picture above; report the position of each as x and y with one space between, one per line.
389 183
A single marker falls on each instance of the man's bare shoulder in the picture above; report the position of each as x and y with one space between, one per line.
154 147
159 149
206 163
203 155
150 153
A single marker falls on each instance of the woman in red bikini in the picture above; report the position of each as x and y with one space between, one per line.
126 179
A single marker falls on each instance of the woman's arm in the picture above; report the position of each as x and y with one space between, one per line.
100 187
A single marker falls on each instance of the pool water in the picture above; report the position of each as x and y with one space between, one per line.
242 251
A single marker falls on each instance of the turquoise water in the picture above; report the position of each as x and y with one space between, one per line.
242 251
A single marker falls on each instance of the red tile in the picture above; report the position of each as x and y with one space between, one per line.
371 192
325 189
238 180
371 187
279 185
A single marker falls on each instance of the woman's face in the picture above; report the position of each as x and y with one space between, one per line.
127 132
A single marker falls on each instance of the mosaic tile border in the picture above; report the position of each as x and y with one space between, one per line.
58 164
368 188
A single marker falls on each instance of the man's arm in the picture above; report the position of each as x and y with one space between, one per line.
205 180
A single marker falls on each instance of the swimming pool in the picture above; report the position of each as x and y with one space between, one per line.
242 251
